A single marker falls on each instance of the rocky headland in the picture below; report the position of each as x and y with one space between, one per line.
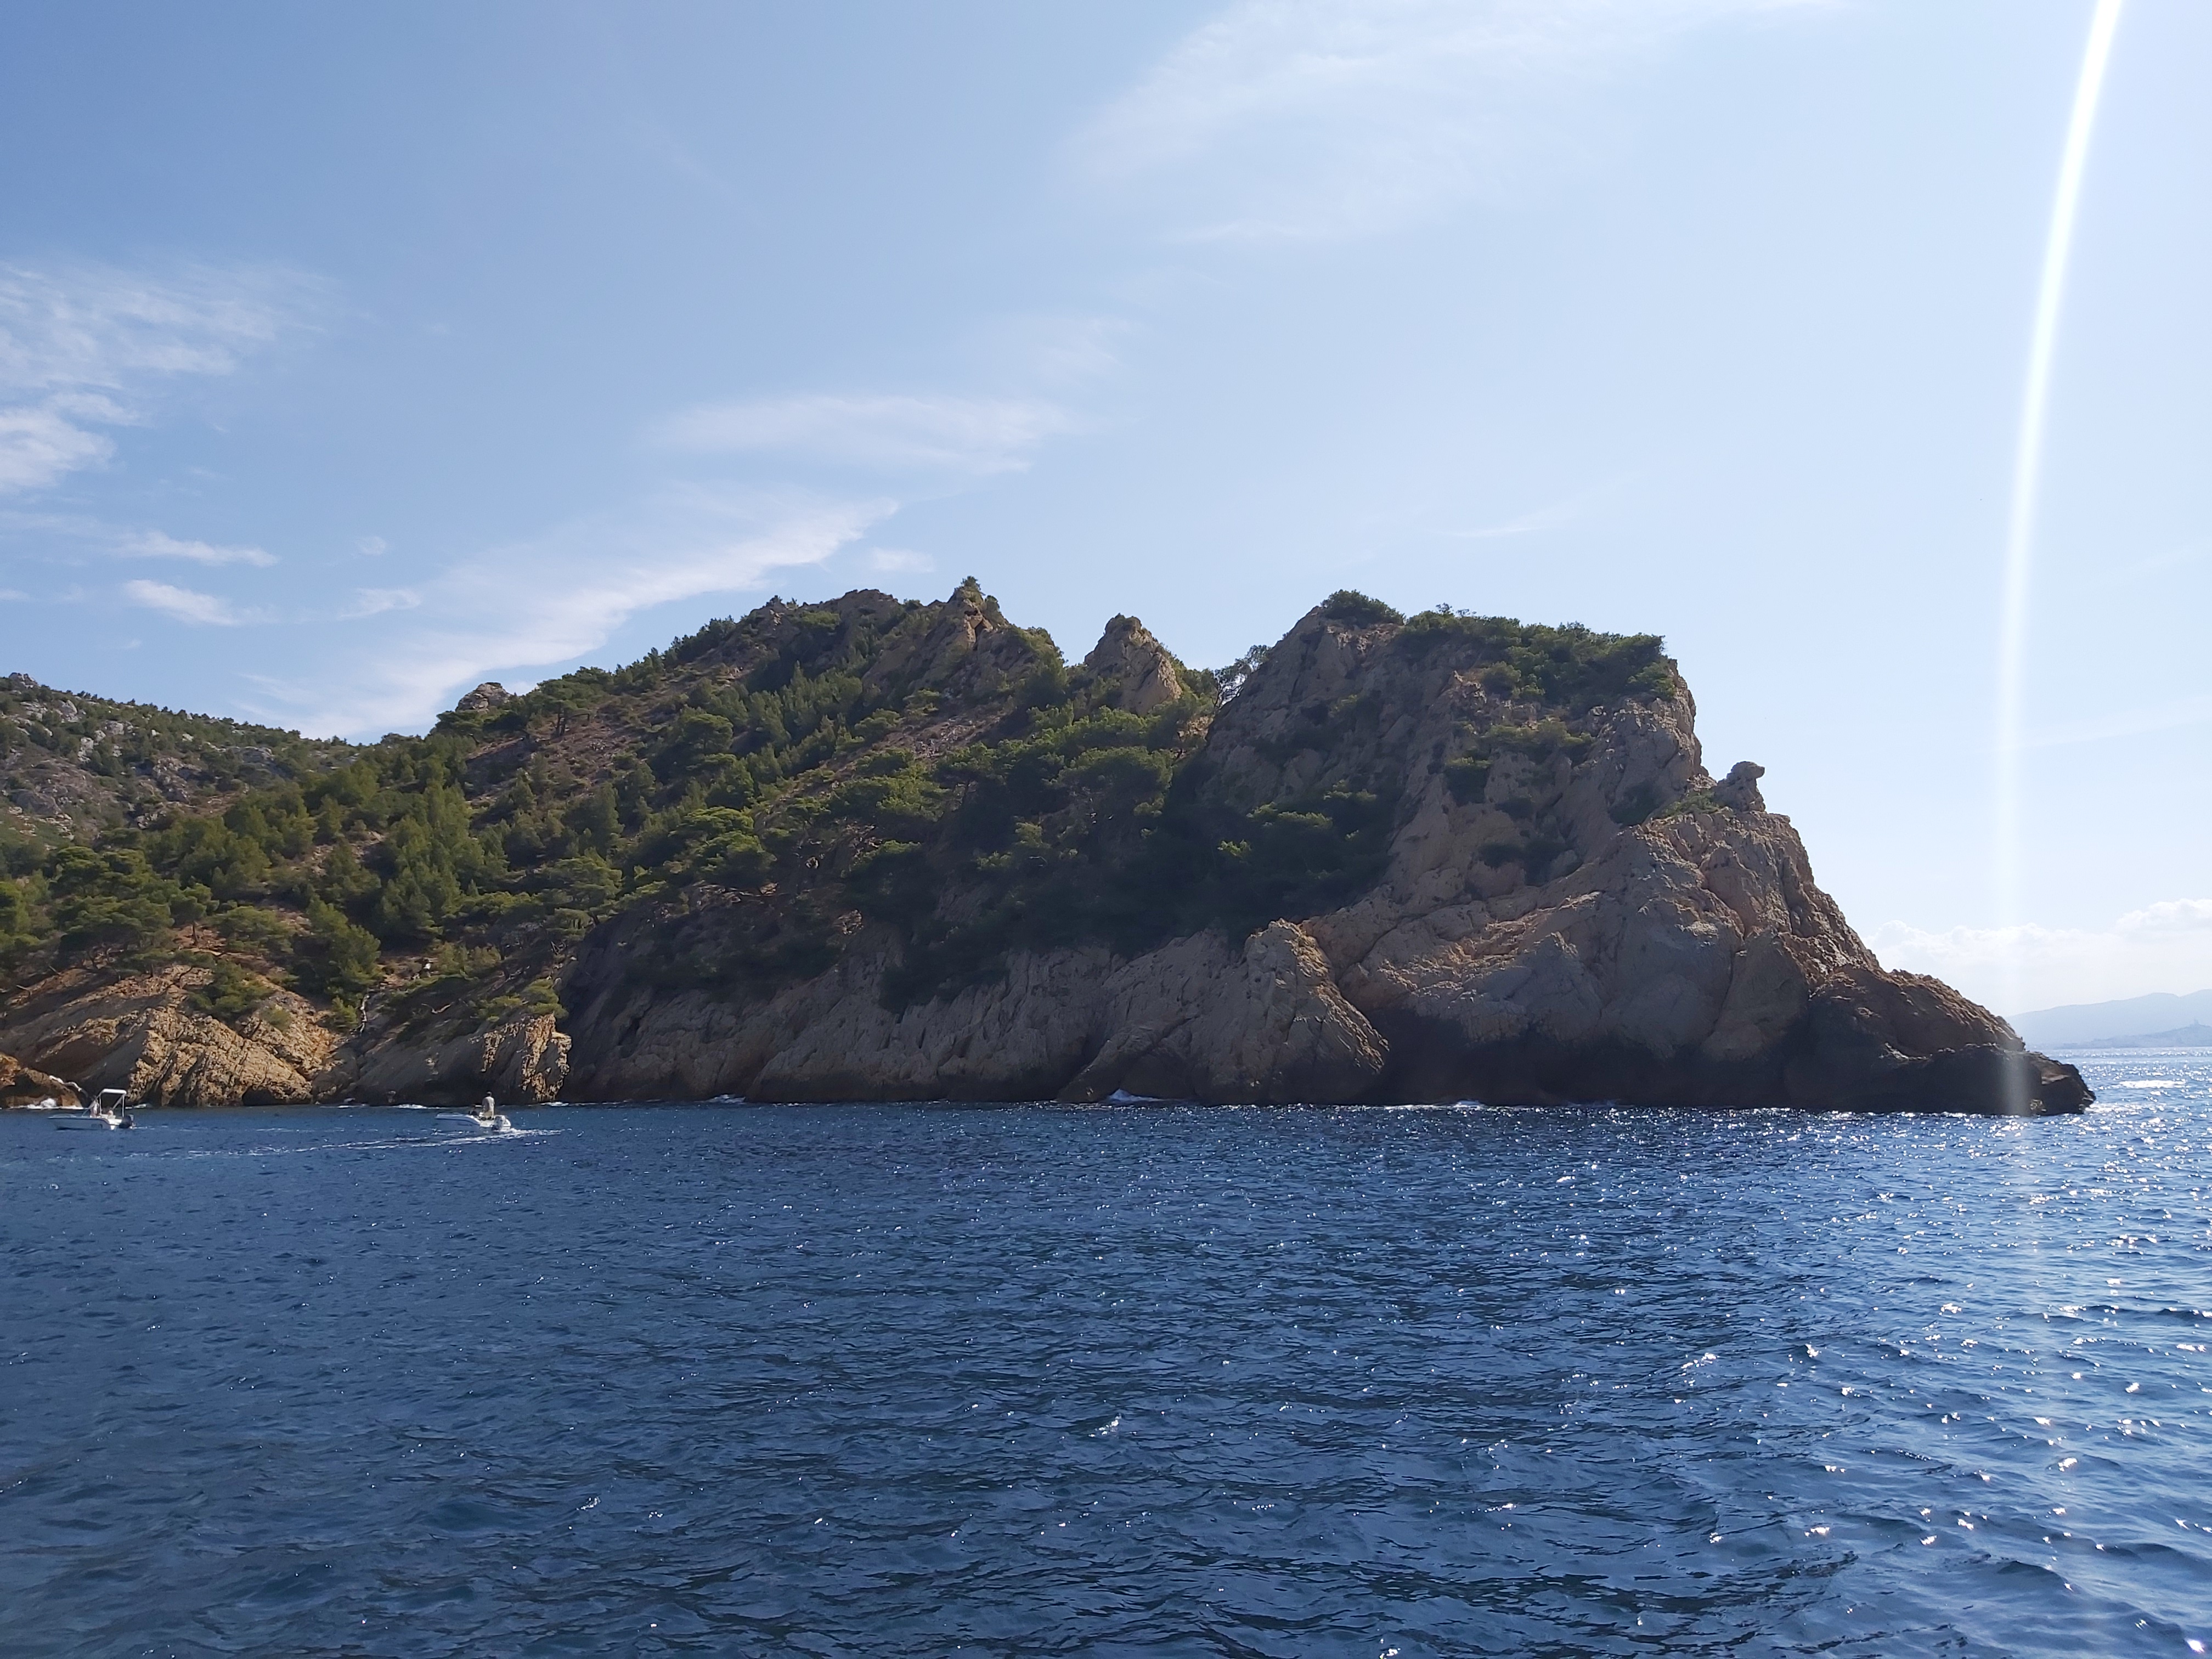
879 849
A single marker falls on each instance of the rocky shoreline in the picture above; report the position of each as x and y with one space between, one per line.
1547 899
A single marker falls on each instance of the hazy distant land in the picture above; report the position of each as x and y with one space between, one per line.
2158 1020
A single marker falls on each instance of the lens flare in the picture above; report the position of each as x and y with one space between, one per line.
2027 474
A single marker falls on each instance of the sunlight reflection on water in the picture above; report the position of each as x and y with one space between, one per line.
889 1380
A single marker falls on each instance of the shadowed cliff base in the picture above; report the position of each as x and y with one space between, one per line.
876 849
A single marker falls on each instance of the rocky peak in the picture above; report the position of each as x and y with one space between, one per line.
490 695
1740 789
1144 673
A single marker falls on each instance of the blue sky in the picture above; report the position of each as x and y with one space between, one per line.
348 356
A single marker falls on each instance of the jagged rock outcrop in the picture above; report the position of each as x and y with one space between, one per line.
1739 791
1143 674
523 1060
22 1085
143 1033
490 695
1206 1020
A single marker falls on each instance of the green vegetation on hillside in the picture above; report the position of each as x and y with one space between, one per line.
73 764
1572 667
1090 826
747 800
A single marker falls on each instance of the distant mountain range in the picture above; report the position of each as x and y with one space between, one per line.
2188 1036
2161 1015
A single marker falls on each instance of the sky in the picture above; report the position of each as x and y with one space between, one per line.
349 357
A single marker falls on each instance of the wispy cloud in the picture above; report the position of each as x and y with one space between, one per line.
188 605
40 443
1305 118
375 601
154 544
972 436
83 347
535 604
2167 947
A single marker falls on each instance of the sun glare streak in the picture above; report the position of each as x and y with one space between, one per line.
2028 470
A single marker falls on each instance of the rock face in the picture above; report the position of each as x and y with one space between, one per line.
142 1033
1143 674
524 1060
1595 918
874 849
1201 1018
20 1085
490 695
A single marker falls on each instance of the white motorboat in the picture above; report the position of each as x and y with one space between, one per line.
487 1117
110 1109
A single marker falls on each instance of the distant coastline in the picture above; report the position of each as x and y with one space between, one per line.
2132 1022
2198 1036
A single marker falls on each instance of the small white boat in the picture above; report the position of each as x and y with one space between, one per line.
488 1117
111 1110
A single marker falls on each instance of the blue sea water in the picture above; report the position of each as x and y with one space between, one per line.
1034 1380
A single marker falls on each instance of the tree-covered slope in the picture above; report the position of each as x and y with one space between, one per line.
750 798
73 765
875 847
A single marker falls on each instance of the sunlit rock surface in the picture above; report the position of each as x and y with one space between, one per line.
878 849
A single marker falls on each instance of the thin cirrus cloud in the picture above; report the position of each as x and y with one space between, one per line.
375 601
154 544
1301 119
2154 949
187 605
878 432
83 349
43 442
533 605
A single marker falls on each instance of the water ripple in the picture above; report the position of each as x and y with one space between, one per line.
1146 1379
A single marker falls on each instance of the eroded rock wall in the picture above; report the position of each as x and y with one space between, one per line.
26 1086
143 1033
1567 907
523 1060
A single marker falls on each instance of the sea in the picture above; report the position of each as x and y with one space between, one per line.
1139 1379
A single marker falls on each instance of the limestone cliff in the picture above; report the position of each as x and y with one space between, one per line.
1571 909
141 1032
523 1060
875 849
24 1086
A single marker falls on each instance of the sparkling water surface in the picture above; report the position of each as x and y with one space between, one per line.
1029 1380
